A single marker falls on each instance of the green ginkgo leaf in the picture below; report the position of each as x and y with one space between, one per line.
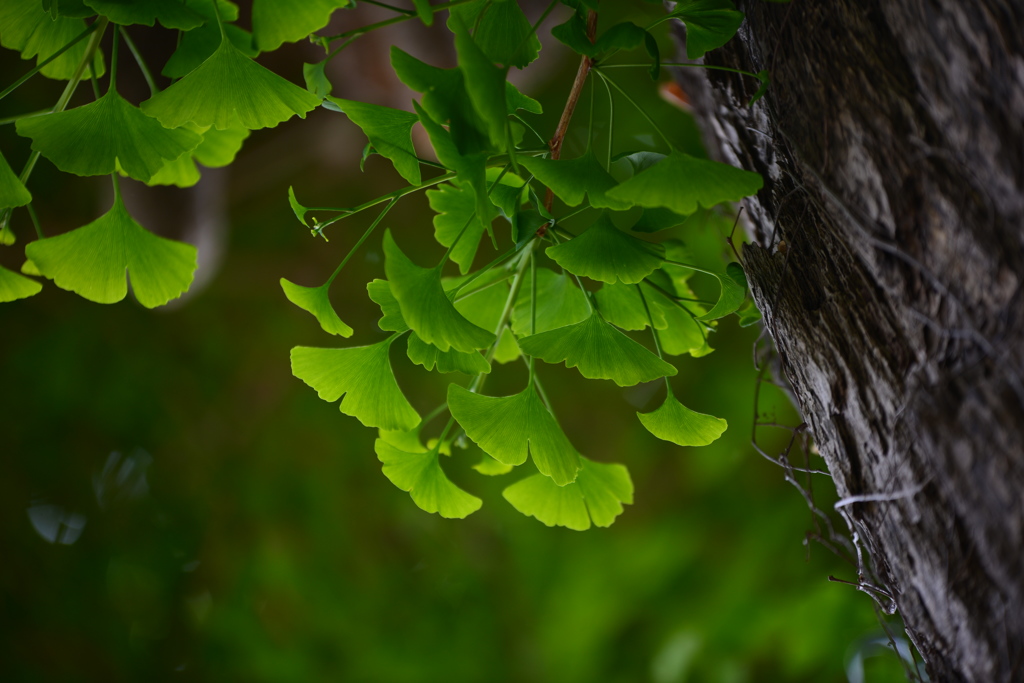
501 30
733 284
316 79
429 356
653 220
363 375
608 254
91 261
229 90
217 149
483 308
681 332
599 351
196 46
14 286
315 300
12 191
597 494
389 131
106 135
425 307
484 82
510 427
424 12
681 183
170 13
285 21
622 306
674 422
490 467
421 475
26 27
380 293
709 24
559 302
573 179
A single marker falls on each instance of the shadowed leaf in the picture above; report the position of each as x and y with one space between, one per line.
389 131
170 13
608 254
26 27
573 179
286 21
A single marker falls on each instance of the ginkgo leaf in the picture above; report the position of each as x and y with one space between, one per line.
655 219
67 8
599 351
674 422
517 100
622 306
26 27
424 12
680 183
429 356
12 191
483 308
608 254
180 172
597 494
91 261
484 82
229 90
389 131
285 21
425 306
196 46
709 24
734 290
363 375
380 293
421 475
14 286
573 179
509 427
315 300
681 332
501 30
490 467
106 135
559 303
316 79
218 148
170 13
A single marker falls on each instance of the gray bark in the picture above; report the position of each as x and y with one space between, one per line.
892 146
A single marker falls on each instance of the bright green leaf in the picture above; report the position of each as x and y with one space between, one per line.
380 293
680 183
315 300
501 30
91 261
509 427
29 268
316 79
363 375
622 306
389 131
429 356
599 351
14 286
573 179
597 494
674 422
229 90
26 27
285 21
608 254
425 306
12 191
170 13
180 172
709 24
421 475
106 135
559 303
733 284
492 468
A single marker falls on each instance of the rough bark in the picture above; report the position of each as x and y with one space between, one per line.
892 146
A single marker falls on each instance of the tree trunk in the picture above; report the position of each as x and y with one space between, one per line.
891 142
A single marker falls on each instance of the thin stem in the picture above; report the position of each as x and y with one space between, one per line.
691 267
12 119
530 128
345 213
654 332
637 106
400 10
611 121
350 36
457 292
112 83
362 239
138 60
690 65
39 67
35 220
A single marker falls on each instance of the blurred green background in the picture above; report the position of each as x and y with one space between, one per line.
177 506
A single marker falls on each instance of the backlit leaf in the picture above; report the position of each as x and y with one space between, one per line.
680 183
229 90
597 494
509 427
425 306
315 300
12 191
316 79
599 351
91 261
490 467
429 356
285 21
421 475
559 303
392 320
674 422
106 135
389 131
608 254
363 375
622 306
573 179
14 286
682 332
483 308
709 24
26 27
170 13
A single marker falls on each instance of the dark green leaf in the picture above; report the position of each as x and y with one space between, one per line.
733 285
559 303
170 13
501 30
285 21
709 24
429 356
573 179
389 131
484 82
12 190
608 254
197 45
26 27
622 306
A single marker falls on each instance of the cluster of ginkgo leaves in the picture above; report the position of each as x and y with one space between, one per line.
530 304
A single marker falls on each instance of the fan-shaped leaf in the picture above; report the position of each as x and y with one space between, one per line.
392 320
734 290
622 306
285 21
597 494
315 300
425 306
170 13
674 422
229 90
363 375
599 351
653 220
389 131
709 24
608 254
483 308
14 286
681 332
680 183
106 135
217 149
196 46
421 475
429 356
12 191
490 467
509 427
573 179
91 261
559 303
26 27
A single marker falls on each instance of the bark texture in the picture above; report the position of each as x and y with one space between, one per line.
892 146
